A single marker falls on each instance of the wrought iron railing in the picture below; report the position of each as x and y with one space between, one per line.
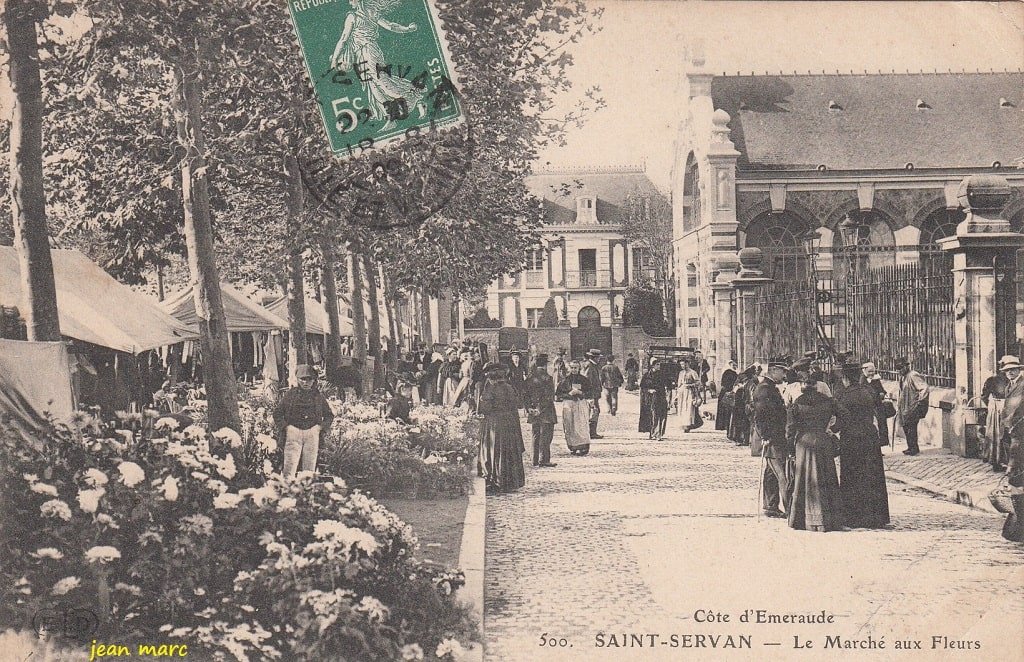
588 279
535 279
905 311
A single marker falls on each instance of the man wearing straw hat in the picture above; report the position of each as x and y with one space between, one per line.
302 417
993 395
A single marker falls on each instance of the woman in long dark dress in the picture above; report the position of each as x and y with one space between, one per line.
815 504
739 422
726 397
653 402
501 438
862 489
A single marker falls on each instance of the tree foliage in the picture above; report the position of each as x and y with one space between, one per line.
648 225
549 314
643 307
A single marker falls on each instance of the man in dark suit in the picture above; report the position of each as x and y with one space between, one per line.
769 437
590 370
539 398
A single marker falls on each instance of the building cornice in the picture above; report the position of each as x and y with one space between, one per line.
758 179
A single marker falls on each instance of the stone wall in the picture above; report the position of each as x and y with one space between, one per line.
548 341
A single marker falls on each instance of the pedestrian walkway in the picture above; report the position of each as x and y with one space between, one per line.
638 536
939 470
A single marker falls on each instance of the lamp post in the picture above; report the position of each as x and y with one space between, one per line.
811 241
851 231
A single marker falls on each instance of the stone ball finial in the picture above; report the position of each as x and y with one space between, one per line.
751 259
984 193
720 119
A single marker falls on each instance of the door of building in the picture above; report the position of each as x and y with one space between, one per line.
589 334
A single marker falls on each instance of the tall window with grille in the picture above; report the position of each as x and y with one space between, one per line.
535 269
533 316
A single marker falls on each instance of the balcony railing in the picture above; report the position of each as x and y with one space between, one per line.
588 279
536 280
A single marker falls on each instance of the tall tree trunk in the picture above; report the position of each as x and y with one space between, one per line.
355 293
214 341
426 328
373 324
332 348
393 328
297 348
444 317
28 198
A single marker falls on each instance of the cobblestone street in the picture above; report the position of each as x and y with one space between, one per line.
639 535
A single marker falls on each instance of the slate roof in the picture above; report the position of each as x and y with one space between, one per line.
559 188
784 122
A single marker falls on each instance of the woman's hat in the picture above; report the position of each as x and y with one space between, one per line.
801 365
303 370
868 366
594 353
542 359
779 362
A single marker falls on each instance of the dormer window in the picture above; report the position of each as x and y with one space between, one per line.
921 105
585 212
1005 103
834 105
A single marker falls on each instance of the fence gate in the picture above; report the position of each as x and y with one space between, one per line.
585 338
1009 306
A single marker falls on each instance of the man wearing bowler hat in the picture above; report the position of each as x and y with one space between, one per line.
539 399
590 370
302 417
768 438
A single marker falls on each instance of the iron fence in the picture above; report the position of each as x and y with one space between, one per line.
904 311
784 320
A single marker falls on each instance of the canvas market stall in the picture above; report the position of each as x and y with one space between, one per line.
113 332
256 333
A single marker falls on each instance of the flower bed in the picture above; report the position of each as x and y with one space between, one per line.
179 536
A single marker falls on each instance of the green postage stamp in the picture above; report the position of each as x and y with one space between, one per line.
380 68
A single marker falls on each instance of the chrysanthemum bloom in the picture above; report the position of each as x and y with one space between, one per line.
131 473
89 500
167 423
102 554
228 436
43 488
268 443
65 585
56 508
226 500
95 478
48 553
170 488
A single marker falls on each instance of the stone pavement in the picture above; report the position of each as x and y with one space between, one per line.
960 479
638 536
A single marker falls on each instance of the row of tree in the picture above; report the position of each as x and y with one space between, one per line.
150 129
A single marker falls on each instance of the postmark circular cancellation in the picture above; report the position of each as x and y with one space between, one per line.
400 137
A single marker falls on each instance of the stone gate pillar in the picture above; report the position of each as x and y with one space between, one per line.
981 239
722 294
746 284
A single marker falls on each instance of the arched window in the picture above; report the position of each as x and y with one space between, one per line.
939 224
876 244
589 316
778 235
691 195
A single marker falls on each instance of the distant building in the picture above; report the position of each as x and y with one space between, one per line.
585 263
779 162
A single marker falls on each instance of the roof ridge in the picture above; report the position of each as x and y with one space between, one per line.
590 170
866 72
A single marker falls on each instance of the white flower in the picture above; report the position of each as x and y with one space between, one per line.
95 478
268 443
107 520
167 423
65 585
226 500
30 477
346 537
260 495
48 553
131 473
286 503
338 482
56 508
43 488
412 652
268 468
199 591
226 467
229 436
373 608
128 588
195 432
102 554
217 486
170 488
449 647
89 500
433 459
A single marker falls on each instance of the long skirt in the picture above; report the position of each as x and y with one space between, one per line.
448 395
687 411
653 413
994 451
724 412
576 424
862 482
501 451
815 504
739 426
